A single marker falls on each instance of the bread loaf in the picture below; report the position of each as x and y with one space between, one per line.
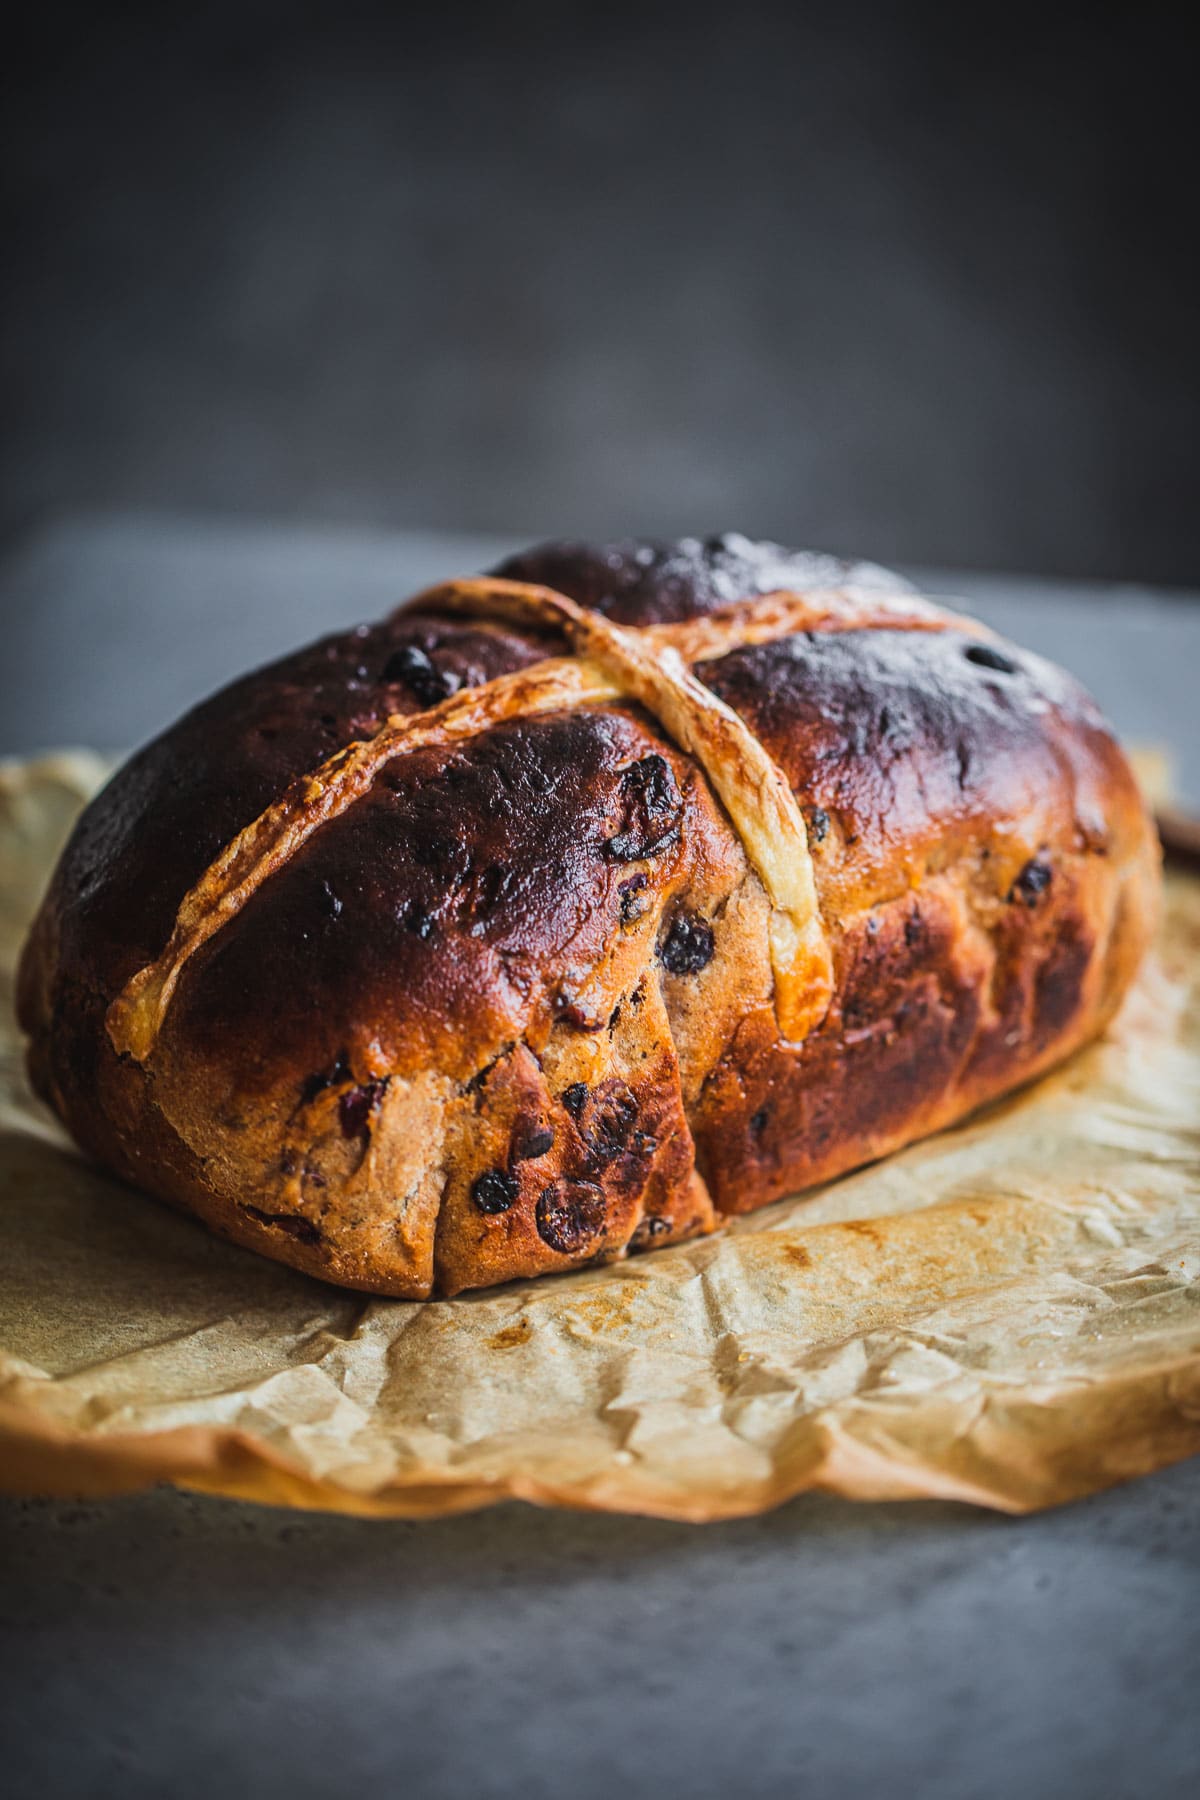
573 908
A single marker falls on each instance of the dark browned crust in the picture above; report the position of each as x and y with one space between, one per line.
655 582
512 1010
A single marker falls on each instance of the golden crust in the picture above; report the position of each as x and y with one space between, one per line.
512 1000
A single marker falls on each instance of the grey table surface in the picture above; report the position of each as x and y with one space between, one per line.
167 1645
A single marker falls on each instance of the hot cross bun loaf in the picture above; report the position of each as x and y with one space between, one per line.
573 908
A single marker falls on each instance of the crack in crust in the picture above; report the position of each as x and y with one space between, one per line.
610 662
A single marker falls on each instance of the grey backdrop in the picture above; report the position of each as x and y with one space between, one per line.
905 280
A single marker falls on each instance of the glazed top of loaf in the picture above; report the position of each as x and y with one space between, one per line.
460 904
644 581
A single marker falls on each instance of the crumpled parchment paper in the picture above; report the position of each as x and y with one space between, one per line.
1007 1314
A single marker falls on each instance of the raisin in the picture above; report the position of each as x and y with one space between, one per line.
293 1224
356 1107
688 946
652 806
530 1139
415 919
609 1120
575 1098
654 779
1031 883
569 1215
494 1191
424 680
988 658
818 824
914 930
333 1076
651 1227
628 846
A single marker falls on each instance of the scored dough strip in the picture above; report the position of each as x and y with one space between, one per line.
647 664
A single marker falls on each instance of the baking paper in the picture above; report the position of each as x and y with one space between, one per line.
1008 1313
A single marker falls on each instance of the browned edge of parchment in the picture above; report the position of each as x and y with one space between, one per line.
1101 1435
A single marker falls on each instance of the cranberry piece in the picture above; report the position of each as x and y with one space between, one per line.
688 946
568 1008
569 1215
355 1108
494 1191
